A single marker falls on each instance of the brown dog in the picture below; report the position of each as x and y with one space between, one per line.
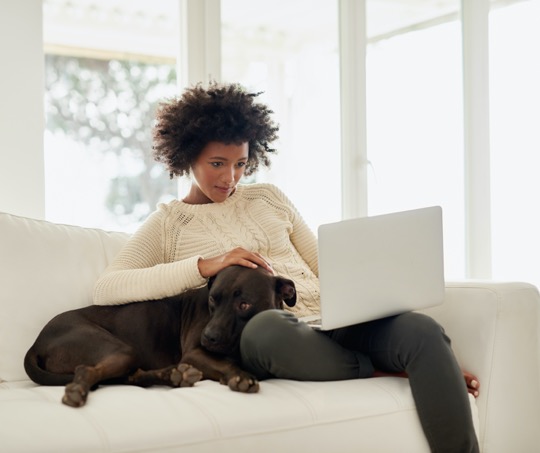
175 341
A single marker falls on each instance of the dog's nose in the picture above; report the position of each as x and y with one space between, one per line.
209 338
214 340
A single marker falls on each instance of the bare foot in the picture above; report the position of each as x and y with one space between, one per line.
473 384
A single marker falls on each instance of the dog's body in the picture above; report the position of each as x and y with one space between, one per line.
175 341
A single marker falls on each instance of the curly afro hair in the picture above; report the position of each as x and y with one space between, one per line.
224 113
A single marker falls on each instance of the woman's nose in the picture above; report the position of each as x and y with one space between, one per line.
229 174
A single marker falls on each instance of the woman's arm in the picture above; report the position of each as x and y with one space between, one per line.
305 241
302 237
141 270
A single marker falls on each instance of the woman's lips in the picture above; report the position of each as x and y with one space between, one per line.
224 189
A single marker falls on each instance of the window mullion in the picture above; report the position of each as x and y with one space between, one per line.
200 41
476 133
352 51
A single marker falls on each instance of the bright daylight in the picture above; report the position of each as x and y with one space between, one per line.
270 226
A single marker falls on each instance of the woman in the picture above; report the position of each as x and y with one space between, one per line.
217 135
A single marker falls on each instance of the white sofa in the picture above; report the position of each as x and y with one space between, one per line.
47 268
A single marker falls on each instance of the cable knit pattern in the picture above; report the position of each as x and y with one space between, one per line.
160 260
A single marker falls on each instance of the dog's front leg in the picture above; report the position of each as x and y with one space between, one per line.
182 375
240 380
222 369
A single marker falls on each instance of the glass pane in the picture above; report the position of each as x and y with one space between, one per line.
415 116
289 50
515 141
107 65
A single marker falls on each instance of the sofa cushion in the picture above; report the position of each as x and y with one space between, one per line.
31 298
370 415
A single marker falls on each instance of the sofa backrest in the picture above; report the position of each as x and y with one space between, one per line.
45 269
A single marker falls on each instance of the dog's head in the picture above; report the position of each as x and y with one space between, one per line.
236 294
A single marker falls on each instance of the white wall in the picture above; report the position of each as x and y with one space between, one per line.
21 108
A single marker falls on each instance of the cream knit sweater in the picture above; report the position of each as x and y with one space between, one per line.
160 259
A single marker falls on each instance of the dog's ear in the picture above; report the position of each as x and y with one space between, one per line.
211 281
286 291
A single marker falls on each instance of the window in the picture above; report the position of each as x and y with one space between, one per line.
415 115
415 124
515 142
289 50
107 65
109 62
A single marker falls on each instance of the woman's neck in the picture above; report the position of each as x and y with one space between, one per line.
196 196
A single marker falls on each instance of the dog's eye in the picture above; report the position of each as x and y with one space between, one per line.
244 306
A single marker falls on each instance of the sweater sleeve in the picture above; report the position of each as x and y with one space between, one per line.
305 242
141 270
302 237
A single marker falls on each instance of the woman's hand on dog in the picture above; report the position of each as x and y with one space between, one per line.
208 267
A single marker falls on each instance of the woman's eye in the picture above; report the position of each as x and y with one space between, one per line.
216 164
241 164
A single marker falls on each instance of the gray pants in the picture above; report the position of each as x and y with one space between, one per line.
275 344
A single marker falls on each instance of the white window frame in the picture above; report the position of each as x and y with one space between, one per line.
200 42
200 60
477 190
478 242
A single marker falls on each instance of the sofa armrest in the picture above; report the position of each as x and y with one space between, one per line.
494 329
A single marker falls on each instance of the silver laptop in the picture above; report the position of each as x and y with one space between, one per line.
374 267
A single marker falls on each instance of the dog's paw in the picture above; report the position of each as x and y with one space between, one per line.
75 395
245 383
185 375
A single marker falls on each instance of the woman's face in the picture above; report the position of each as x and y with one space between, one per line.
216 172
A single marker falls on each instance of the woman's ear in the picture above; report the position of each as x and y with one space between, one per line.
285 291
